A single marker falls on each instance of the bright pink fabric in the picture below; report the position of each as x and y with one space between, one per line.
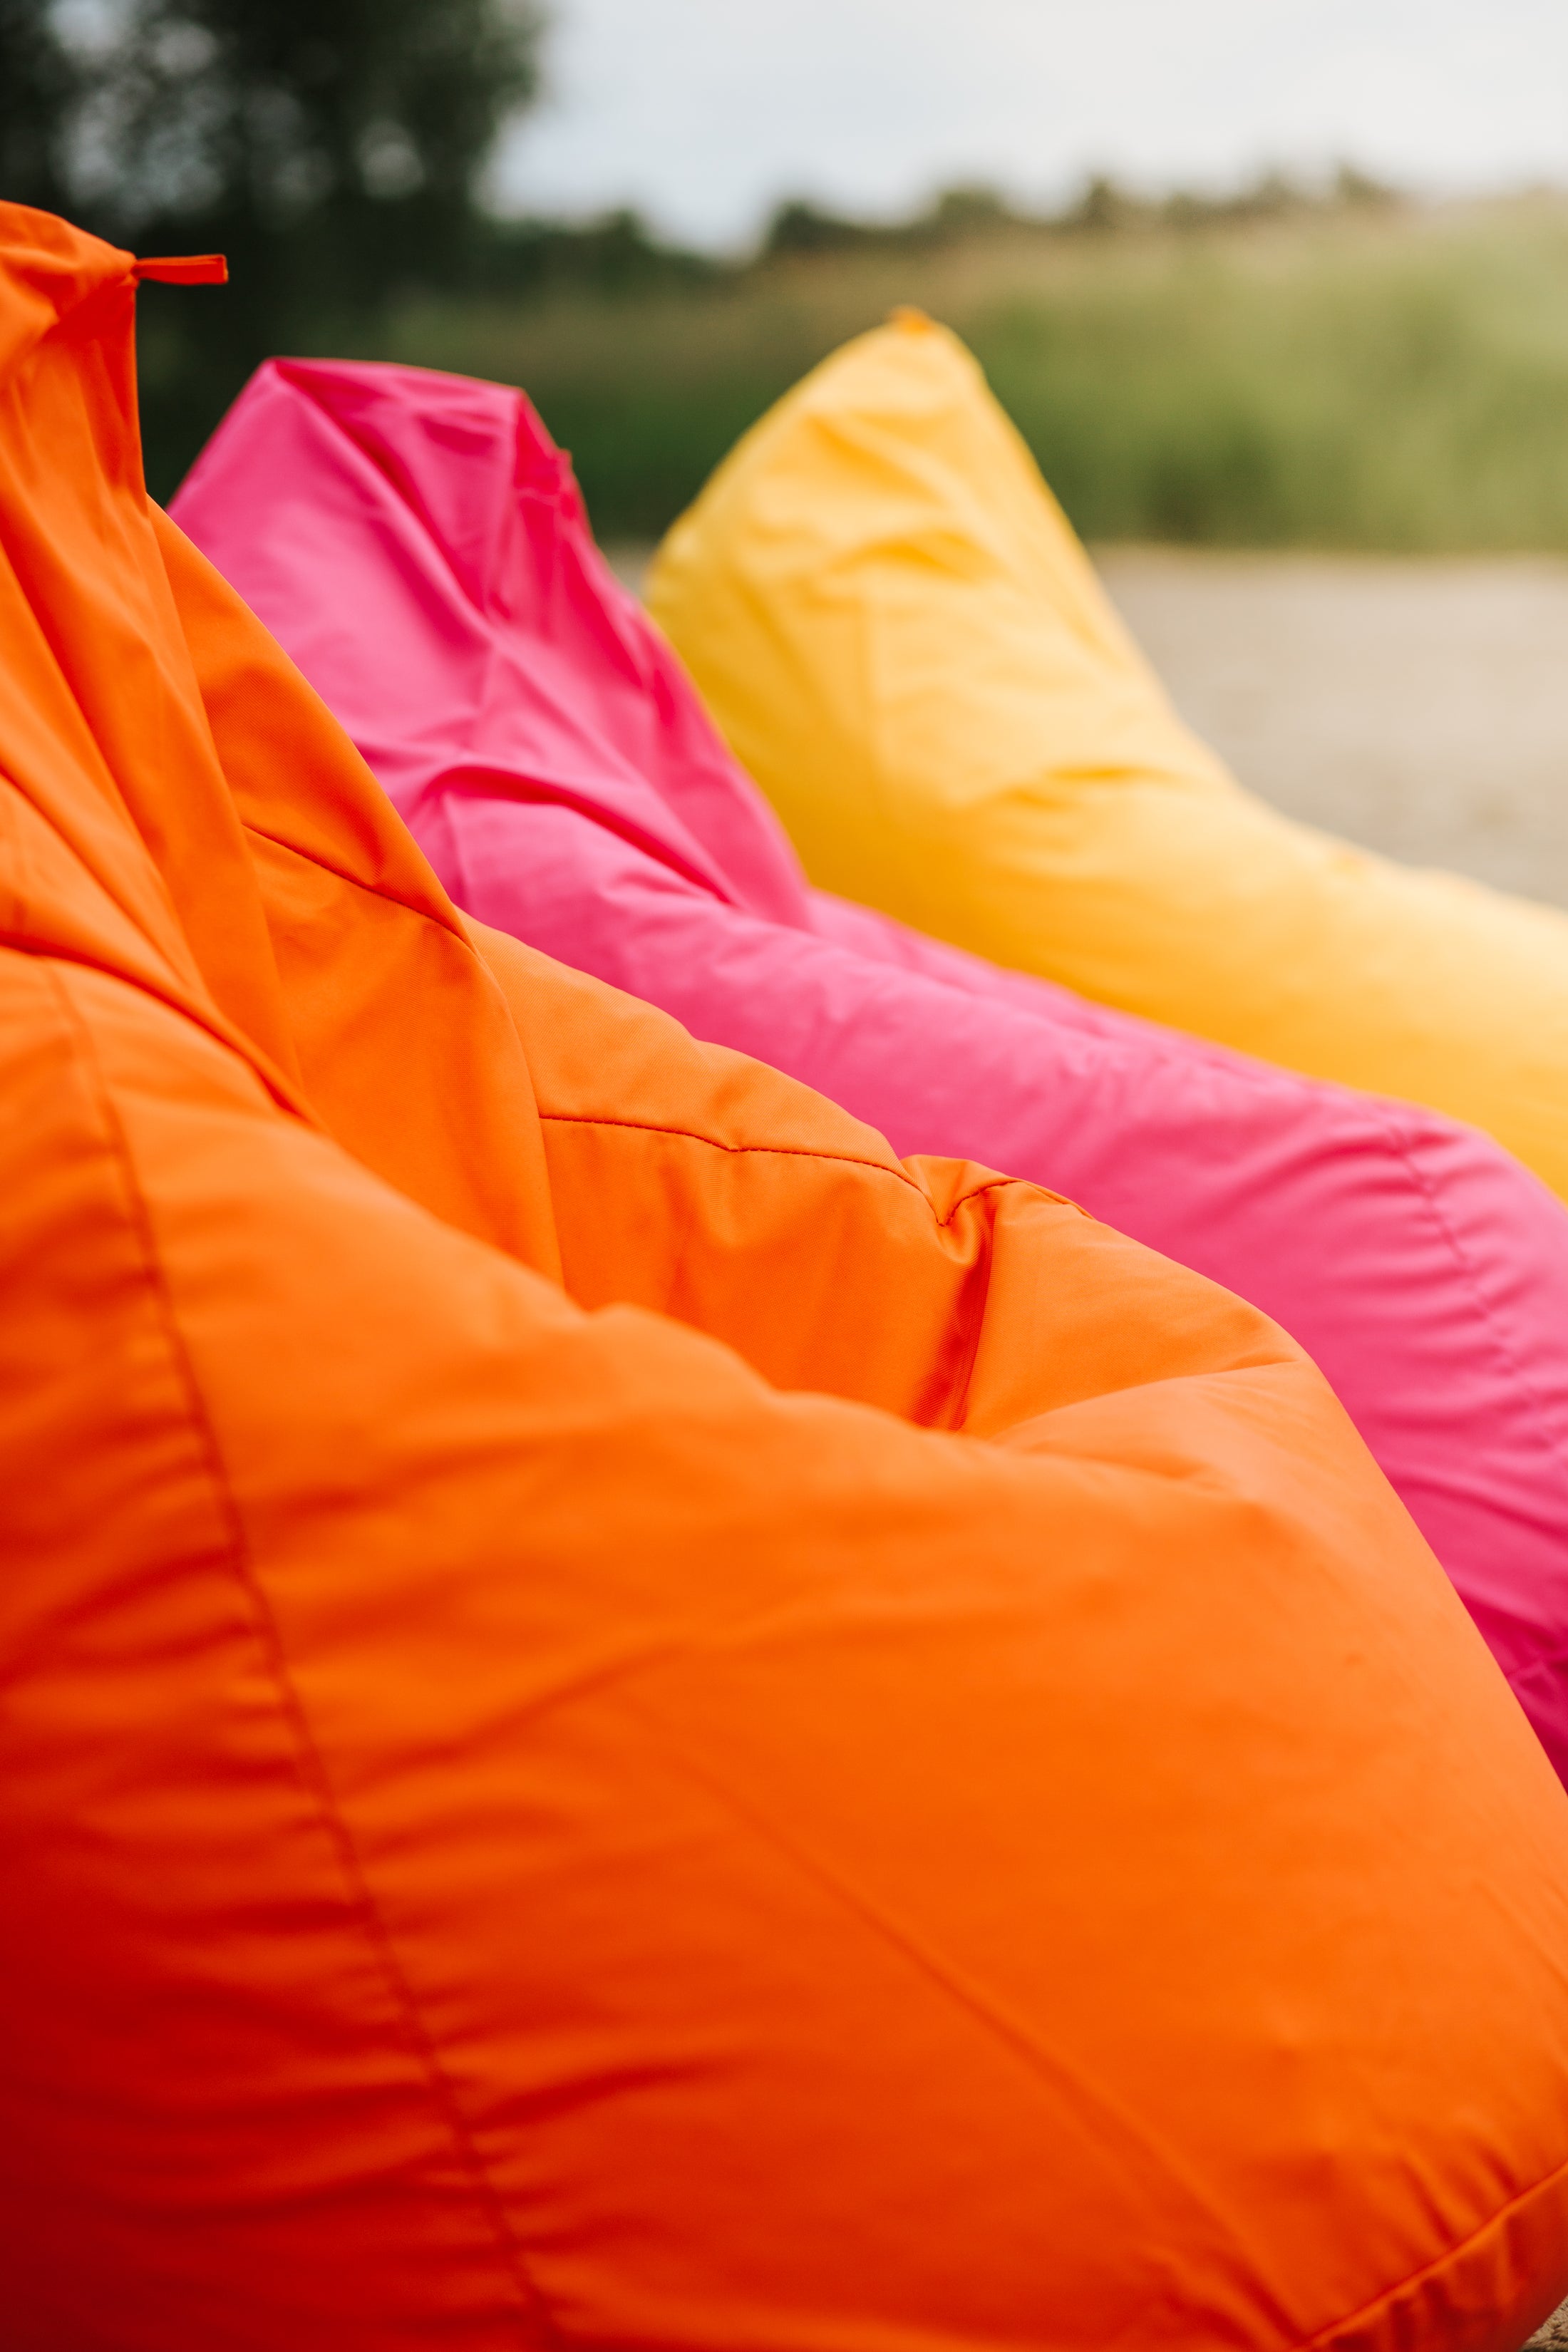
418 544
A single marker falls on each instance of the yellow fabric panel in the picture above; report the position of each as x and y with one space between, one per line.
902 638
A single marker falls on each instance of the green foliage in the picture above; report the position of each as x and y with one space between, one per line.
1366 378
1101 208
38 84
613 255
1402 393
1279 364
342 135
330 147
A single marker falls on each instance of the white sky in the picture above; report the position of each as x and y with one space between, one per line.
703 112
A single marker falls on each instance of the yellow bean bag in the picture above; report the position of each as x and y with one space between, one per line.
902 638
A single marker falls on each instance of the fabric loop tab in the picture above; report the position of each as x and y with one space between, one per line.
185 269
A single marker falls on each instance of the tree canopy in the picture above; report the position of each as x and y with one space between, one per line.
40 85
347 135
333 149
356 129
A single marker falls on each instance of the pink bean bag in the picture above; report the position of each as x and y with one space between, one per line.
418 544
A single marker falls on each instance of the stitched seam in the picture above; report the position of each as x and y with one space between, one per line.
647 1127
292 1104
455 930
452 931
736 1151
313 1769
786 1151
1440 2262
999 1184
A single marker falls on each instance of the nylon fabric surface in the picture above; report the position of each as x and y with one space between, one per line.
892 620
418 543
628 1721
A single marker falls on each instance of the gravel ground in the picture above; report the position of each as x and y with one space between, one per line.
1417 707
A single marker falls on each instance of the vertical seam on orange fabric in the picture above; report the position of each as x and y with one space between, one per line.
313 1769
649 1127
289 1103
453 930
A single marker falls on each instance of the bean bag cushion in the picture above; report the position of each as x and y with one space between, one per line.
897 630
628 1721
418 543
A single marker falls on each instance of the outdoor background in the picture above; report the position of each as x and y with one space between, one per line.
1276 289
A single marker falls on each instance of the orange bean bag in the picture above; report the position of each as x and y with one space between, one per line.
625 1721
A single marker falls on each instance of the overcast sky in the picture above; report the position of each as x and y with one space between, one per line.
704 112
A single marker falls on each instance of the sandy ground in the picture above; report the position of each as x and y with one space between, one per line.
1417 707
1420 708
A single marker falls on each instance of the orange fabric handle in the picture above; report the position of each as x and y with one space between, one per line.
185 269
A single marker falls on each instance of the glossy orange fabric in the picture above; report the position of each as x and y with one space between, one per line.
921 1796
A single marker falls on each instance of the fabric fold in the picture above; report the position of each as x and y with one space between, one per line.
418 544
856 1759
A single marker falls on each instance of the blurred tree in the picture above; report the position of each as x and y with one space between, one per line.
613 255
1359 188
332 144
333 149
799 226
973 208
39 88
1103 206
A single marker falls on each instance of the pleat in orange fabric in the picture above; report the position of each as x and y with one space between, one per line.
626 1721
